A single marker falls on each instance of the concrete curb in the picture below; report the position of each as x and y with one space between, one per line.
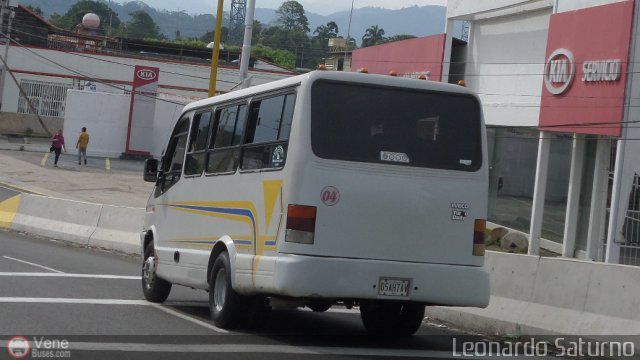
550 296
24 147
118 229
110 227
57 218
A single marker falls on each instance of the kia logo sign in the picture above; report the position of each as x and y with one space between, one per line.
146 74
559 71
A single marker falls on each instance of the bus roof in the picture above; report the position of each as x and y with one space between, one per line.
370 79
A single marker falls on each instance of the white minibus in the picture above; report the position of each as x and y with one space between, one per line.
327 188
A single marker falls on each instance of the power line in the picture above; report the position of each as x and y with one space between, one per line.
87 76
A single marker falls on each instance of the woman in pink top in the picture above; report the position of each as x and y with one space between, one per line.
58 145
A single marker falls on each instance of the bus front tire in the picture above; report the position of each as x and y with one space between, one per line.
155 289
226 306
390 318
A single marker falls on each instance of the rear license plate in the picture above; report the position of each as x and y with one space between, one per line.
393 287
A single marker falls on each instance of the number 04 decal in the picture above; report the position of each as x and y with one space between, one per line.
330 195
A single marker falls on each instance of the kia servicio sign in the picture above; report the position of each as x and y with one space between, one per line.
585 69
559 71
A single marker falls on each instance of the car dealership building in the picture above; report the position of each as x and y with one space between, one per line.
560 88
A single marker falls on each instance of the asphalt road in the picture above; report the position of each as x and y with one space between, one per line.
7 192
92 298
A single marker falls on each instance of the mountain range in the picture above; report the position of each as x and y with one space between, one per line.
415 20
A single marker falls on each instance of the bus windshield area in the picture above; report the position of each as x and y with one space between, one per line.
396 126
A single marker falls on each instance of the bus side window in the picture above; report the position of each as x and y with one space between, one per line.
197 152
174 157
268 131
224 149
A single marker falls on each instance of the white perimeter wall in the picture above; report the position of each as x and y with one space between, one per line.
112 68
106 118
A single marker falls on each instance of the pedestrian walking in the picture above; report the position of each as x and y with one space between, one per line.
58 145
81 145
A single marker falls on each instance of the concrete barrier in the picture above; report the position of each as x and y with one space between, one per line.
118 229
550 296
57 218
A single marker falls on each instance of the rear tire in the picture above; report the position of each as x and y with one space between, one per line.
155 289
226 306
390 318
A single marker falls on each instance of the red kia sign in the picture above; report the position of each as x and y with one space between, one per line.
585 71
142 110
146 74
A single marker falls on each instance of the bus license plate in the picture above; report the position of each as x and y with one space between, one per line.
393 287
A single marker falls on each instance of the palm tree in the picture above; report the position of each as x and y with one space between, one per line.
373 36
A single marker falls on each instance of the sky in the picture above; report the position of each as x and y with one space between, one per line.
322 7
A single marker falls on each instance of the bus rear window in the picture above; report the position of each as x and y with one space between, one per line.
395 126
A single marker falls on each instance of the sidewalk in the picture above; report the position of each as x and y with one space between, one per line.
70 181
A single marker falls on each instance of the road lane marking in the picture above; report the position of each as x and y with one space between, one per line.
255 349
44 159
107 164
61 274
7 300
33 264
188 318
11 300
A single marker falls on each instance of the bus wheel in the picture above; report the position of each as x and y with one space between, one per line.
390 318
155 289
225 305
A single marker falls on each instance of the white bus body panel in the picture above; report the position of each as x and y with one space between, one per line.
390 221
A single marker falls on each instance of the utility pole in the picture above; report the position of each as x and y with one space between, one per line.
7 41
246 45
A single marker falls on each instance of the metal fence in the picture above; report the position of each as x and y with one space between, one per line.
48 98
630 246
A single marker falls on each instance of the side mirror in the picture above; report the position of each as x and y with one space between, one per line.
151 170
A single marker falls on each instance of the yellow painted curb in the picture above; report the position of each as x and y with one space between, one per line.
8 210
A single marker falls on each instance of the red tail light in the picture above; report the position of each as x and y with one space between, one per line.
301 224
478 237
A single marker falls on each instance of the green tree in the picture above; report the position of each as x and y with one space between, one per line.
400 37
209 35
36 10
291 17
108 18
373 36
323 33
141 26
282 58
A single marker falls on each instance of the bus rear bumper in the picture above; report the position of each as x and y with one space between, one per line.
337 278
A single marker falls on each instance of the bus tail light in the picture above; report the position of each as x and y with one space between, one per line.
478 237
301 224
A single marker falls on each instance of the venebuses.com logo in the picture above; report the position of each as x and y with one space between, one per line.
18 347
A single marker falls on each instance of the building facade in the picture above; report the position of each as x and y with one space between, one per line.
557 82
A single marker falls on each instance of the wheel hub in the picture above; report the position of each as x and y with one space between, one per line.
149 271
220 289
